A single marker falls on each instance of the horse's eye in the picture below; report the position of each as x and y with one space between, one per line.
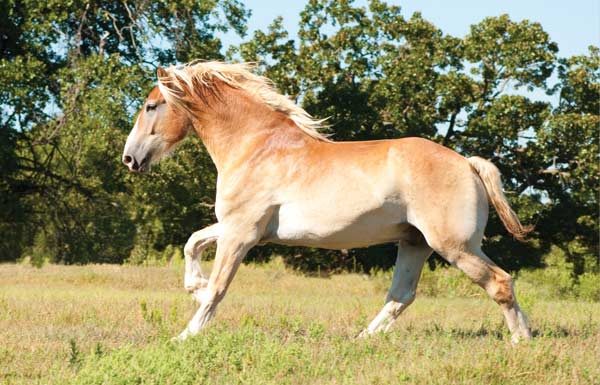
150 107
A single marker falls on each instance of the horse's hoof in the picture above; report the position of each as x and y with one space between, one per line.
181 337
517 339
364 334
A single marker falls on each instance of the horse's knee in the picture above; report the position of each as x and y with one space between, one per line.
188 249
199 240
393 308
403 300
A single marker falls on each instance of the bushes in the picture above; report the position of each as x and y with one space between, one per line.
171 255
588 287
557 283
325 262
558 280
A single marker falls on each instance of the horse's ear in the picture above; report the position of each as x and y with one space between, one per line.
170 88
161 73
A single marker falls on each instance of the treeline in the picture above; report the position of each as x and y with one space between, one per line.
73 74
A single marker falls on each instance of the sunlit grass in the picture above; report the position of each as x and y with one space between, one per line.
112 324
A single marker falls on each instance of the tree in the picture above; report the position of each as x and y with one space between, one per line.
569 172
73 73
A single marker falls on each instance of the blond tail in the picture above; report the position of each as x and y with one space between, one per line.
490 175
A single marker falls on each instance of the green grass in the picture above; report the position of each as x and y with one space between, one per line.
112 325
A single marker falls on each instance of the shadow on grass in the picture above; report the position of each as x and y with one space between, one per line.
559 331
482 331
554 332
477 333
500 331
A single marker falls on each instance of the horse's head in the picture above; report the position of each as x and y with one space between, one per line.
158 128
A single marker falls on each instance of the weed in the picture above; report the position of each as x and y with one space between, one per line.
74 353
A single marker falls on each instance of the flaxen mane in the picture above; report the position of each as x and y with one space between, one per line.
237 75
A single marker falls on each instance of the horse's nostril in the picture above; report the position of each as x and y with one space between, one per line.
131 162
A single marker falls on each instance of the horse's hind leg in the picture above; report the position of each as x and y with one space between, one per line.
412 254
198 241
497 283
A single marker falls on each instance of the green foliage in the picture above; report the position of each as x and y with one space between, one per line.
72 74
558 280
505 50
589 286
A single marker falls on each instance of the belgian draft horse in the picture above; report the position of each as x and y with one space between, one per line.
281 181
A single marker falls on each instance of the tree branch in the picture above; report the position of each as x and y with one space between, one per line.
67 182
450 131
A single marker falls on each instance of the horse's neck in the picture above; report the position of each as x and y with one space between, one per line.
233 133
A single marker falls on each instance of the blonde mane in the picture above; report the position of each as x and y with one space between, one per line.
237 75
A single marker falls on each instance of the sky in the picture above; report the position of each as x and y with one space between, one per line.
573 24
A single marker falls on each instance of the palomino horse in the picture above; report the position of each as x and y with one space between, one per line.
281 181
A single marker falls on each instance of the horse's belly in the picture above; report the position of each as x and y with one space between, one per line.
335 229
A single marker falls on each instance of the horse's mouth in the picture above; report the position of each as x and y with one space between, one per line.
144 165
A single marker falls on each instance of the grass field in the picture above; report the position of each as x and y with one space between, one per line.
112 325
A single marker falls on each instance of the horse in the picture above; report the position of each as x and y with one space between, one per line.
281 181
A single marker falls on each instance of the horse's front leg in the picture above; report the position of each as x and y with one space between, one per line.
232 246
194 280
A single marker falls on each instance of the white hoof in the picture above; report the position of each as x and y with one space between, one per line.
520 337
182 336
515 339
364 334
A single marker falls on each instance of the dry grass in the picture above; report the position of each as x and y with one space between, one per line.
110 324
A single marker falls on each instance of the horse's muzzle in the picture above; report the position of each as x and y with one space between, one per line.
131 162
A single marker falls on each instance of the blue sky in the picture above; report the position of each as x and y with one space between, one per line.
573 24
